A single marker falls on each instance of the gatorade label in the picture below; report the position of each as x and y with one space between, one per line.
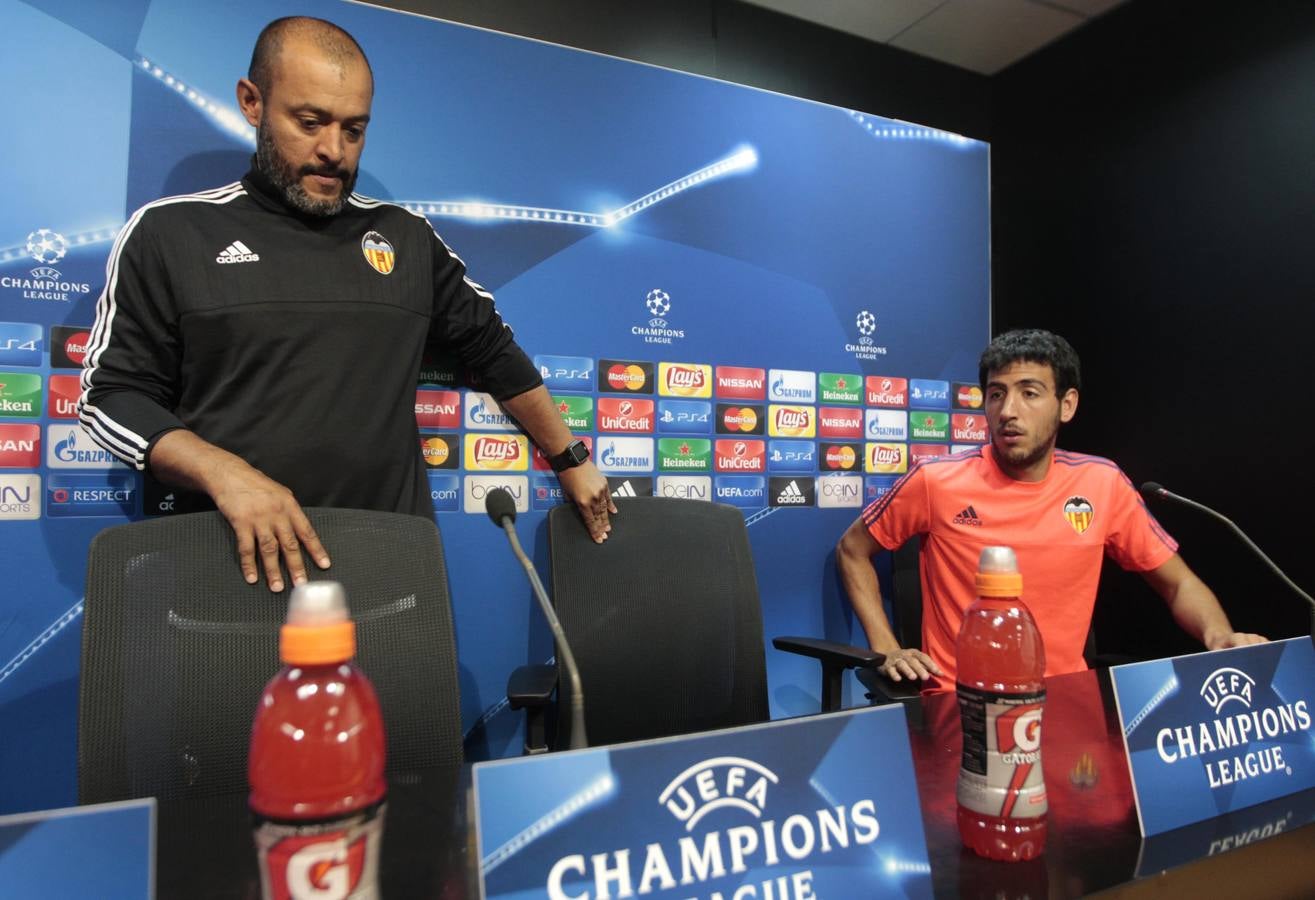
326 860
1001 769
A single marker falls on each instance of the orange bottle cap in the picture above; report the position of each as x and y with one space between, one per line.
318 630
997 573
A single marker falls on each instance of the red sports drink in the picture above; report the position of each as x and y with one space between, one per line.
1001 663
317 759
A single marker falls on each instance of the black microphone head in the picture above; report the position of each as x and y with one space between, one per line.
1152 489
499 504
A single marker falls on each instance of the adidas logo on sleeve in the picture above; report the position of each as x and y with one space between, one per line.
237 252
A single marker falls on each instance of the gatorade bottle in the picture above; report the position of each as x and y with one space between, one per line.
1001 663
317 759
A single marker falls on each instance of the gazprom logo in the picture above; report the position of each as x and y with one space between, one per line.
68 447
484 414
1226 684
625 455
717 783
791 386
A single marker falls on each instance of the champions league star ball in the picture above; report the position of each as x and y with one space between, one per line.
866 322
658 302
46 246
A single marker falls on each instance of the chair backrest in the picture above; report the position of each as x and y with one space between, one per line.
906 581
663 618
176 649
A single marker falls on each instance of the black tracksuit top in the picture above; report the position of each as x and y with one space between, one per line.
292 341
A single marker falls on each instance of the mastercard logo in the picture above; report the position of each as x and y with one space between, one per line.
740 418
969 396
840 457
628 378
436 451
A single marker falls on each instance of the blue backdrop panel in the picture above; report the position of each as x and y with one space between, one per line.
619 211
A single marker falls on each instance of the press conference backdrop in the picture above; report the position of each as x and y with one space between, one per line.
736 295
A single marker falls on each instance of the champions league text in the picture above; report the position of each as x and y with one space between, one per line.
621 873
1204 738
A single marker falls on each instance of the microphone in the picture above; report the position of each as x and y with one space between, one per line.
501 507
1152 490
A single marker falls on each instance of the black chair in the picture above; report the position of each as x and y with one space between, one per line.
176 649
665 624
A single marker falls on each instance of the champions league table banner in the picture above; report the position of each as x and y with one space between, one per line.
733 295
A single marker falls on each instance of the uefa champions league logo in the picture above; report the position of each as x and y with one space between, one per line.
866 324
658 302
46 246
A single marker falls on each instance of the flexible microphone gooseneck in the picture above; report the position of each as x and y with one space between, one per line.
501 508
1151 490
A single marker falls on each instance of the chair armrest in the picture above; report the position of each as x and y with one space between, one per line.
835 659
846 656
882 690
531 686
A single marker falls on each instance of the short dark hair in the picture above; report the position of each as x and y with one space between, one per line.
1033 345
335 42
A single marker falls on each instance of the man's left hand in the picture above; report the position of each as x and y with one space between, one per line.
587 486
1234 639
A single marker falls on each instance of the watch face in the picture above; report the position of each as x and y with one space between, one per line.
578 451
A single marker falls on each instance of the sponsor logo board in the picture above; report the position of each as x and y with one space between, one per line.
439 369
791 386
62 395
688 487
740 456
438 409
929 426
476 488
839 422
791 456
20 395
68 346
839 491
20 497
886 459
69 447
684 454
620 376
624 455
566 373
684 416
630 486
74 496
546 492
21 344
886 390
968 427
927 451
625 414
735 419
684 380
791 421
791 490
740 383
967 396
836 387
441 451
576 412
929 394
839 457
886 425
445 491
484 414
20 446
877 486
744 491
497 452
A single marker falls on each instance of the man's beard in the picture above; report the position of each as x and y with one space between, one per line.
287 178
1025 459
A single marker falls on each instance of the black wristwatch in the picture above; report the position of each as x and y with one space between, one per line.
576 453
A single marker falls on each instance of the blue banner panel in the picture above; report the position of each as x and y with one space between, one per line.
1213 732
825 806
104 850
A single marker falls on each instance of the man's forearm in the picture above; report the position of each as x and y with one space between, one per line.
535 412
1192 604
859 580
182 459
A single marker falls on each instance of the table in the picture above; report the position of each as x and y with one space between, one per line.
1093 842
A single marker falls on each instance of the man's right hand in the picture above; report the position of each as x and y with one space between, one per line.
268 524
910 664
267 520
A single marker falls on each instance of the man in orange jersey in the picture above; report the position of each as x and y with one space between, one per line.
1062 513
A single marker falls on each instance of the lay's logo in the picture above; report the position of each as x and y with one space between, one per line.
503 453
684 380
791 421
887 459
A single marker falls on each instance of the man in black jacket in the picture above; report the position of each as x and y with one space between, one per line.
258 344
